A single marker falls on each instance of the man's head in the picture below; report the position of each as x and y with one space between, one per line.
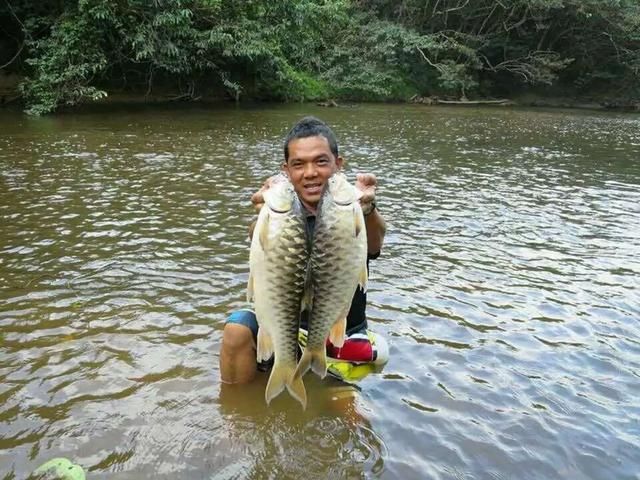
310 158
311 127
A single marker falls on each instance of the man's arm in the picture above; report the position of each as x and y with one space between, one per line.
376 228
375 224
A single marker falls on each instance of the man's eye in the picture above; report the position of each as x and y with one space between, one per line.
323 161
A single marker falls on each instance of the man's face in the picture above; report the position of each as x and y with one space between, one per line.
309 167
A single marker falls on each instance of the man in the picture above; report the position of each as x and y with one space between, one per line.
310 158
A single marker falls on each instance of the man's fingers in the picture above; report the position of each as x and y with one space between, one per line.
367 197
258 197
366 183
366 179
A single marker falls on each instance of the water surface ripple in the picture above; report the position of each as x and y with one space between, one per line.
508 290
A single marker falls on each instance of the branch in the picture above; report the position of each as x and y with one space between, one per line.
15 16
26 34
457 8
486 19
14 57
434 65
615 46
435 7
527 68
518 23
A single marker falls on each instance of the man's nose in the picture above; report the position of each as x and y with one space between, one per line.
310 170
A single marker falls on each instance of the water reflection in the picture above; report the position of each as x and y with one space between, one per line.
331 438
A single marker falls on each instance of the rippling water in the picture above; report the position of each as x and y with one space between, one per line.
507 290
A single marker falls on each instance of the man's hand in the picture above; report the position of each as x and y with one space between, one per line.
366 183
258 198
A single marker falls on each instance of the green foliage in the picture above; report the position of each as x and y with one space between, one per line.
295 85
369 60
526 41
454 76
77 50
64 66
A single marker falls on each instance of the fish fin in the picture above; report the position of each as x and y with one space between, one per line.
363 279
315 360
358 221
337 332
319 362
303 364
263 234
282 375
265 345
277 382
295 386
250 287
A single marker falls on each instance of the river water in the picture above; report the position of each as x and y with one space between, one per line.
508 290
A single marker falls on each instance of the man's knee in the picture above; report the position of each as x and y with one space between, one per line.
238 355
237 339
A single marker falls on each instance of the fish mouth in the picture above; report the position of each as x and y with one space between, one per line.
279 210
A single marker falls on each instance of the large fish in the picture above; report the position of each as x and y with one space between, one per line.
278 264
338 265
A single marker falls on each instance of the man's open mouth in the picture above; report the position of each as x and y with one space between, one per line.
313 188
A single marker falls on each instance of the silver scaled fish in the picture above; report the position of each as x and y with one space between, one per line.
338 264
278 263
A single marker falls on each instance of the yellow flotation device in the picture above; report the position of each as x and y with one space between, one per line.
352 372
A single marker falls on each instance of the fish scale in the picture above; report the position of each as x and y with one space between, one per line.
278 261
286 283
337 265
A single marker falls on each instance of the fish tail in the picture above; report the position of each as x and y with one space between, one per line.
282 375
277 382
319 362
295 386
315 360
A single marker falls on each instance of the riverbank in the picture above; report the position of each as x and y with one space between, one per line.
531 100
10 97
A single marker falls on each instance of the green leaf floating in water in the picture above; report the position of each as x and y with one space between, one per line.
61 469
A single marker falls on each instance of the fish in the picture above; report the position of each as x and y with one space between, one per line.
278 264
337 266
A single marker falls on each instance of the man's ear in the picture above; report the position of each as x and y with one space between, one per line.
284 168
339 162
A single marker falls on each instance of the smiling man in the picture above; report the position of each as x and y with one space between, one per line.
310 158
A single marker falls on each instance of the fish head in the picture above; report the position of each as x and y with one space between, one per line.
280 197
341 191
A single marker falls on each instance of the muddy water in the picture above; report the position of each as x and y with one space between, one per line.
508 291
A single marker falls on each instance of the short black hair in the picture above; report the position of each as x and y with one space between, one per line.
311 127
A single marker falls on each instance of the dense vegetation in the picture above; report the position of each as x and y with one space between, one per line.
68 51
